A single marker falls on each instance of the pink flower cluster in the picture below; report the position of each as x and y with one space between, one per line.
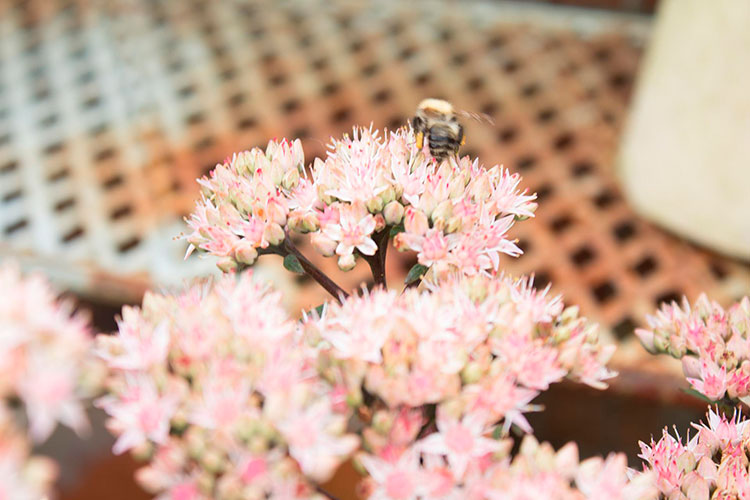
713 464
713 343
473 352
455 214
536 471
217 389
44 354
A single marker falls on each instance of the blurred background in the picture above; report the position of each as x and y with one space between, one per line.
109 110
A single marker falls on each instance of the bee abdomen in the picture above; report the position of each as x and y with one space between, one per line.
442 143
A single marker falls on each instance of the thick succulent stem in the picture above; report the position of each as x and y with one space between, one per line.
288 248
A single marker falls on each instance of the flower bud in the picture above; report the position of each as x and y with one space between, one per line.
454 224
245 253
227 265
686 462
393 212
647 339
212 460
695 487
415 221
323 244
290 179
382 422
388 195
374 205
347 262
691 367
310 223
443 211
274 234
471 373
379 222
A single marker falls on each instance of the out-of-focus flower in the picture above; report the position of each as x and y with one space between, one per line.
44 354
711 341
711 464
225 399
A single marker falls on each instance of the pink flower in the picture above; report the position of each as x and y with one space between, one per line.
399 480
460 441
142 414
353 230
713 381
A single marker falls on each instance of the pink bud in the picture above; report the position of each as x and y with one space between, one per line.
647 339
416 221
245 253
323 244
691 367
347 262
393 212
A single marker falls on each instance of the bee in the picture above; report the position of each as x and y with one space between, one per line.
437 121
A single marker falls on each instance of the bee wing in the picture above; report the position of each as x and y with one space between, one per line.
480 117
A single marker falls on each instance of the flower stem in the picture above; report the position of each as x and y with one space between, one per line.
377 261
325 492
312 270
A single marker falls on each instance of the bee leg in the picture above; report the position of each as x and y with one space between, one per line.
420 140
461 136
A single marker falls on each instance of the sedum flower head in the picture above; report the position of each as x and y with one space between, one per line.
711 464
215 387
472 353
454 214
712 342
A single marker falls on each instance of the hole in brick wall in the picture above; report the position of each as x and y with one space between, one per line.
195 118
564 141
113 181
356 46
406 53
544 191
602 54
542 279
609 117
329 88
395 28
277 80
646 266
495 42
12 195
604 292
120 212
619 80
718 270
475 83
583 256
381 95
46 122
204 143
246 122
319 64
525 163
54 148
186 91
236 99
370 69
341 115
8 167
59 175
301 133
98 129
92 102
15 226
511 66
582 168
668 297
4 139
490 108
545 115
445 35
605 199
290 105
128 244
228 74
73 234
524 245
624 231
459 59
64 204
305 41
530 90
104 154
422 79
269 58
624 328
508 134
85 78
396 121
561 224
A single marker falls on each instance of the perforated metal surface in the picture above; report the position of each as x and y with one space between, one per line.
110 110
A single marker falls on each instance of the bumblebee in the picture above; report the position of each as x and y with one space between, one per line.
437 121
